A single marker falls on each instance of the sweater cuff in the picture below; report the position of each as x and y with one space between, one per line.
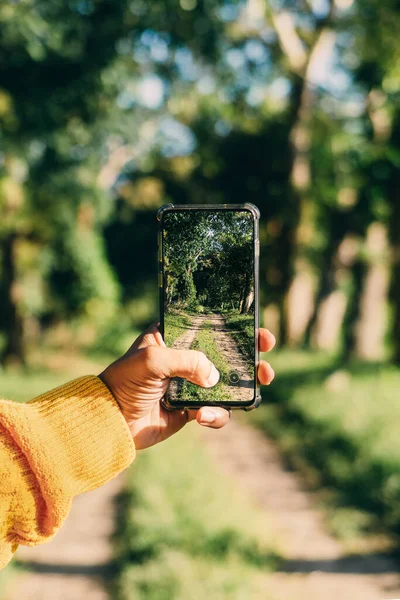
74 439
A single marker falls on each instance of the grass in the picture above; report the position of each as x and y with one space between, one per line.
175 325
341 427
20 386
221 392
186 533
242 330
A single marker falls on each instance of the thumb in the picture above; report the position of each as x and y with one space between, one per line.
190 364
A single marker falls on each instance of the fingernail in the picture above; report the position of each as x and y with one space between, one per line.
272 374
213 378
208 416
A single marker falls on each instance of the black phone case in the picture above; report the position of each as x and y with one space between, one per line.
256 253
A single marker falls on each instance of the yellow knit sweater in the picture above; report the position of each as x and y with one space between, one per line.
65 442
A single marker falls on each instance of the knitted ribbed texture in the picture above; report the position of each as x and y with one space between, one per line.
65 442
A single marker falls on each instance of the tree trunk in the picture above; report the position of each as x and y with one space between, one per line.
242 297
248 303
371 331
302 62
394 233
299 179
352 314
326 284
285 264
14 351
248 296
325 287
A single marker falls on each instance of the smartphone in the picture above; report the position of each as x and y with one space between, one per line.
208 280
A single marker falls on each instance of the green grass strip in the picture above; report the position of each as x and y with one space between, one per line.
242 331
175 325
205 342
185 533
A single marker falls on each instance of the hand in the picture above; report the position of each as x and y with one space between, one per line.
139 379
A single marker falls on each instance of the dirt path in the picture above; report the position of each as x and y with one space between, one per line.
181 343
316 567
242 389
76 563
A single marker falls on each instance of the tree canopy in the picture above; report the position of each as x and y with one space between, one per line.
209 259
110 109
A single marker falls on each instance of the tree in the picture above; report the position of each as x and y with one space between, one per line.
54 92
376 70
208 257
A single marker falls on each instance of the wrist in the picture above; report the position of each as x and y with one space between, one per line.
117 397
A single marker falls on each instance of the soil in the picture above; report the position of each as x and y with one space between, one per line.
76 563
315 565
181 343
244 389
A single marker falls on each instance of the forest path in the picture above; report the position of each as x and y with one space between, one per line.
316 566
244 390
226 345
184 342
77 563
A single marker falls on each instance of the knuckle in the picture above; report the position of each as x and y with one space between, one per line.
149 354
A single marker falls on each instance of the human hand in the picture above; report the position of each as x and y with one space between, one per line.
139 380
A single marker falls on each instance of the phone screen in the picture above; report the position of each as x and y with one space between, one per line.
209 303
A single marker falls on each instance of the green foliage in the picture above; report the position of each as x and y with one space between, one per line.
340 426
20 387
181 537
201 310
175 325
82 277
113 338
52 141
221 131
208 259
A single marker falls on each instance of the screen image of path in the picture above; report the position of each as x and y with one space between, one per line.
209 299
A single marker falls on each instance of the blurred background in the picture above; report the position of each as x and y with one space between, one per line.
110 109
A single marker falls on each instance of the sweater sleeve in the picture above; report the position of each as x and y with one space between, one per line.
63 443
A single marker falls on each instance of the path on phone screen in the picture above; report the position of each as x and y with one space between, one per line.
228 348
316 566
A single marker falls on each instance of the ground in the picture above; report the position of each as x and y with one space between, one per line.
238 376
76 563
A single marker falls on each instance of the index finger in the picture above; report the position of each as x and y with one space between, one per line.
151 337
